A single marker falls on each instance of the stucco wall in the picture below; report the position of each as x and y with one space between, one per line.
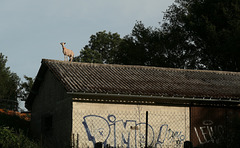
124 125
52 102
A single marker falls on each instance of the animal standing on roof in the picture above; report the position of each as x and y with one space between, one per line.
67 52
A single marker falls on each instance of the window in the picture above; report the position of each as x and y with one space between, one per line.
47 123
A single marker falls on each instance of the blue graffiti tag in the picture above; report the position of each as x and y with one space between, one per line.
96 132
165 133
117 132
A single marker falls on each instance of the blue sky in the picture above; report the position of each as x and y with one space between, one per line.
31 30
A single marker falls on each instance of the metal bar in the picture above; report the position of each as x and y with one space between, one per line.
73 141
77 140
146 135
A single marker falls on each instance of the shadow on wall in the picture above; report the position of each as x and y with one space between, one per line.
215 127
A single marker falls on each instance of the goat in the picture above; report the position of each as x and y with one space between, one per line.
67 52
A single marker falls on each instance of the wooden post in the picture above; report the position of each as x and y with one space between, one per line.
77 140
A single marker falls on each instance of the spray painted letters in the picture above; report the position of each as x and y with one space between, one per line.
209 133
129 133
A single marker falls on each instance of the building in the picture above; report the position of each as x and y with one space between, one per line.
81 104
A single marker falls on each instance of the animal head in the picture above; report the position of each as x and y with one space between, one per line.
63 43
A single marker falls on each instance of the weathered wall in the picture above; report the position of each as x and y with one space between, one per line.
124 125
52 103
215 127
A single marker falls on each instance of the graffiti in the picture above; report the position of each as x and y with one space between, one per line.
209 133
128 133
166 133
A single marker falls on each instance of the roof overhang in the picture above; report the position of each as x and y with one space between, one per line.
144 99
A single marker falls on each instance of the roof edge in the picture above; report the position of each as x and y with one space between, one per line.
38 80
155 98
143 67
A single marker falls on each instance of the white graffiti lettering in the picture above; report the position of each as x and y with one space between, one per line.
209 133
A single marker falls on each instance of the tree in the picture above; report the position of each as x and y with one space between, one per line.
26 87
152 47
102 48
142 47
210 31
9 85
196 34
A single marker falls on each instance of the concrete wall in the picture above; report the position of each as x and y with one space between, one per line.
124 125
52 103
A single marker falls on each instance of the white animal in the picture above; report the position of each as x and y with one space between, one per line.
67 52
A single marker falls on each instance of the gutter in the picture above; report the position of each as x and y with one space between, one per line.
156 99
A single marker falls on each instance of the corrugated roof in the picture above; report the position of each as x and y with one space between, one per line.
129 80
144 80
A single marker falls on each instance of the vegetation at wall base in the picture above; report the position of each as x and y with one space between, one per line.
9 138
14 120
14 130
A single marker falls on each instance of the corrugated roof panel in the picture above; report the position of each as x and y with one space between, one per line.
142 80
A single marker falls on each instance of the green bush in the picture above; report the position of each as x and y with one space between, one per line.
14 130
15 122
11 139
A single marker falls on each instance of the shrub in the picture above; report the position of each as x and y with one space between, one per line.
14 130
15 120
11 139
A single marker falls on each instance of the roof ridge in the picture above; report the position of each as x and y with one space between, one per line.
144 67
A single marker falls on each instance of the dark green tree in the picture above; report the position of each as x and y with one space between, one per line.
102 48
208 31
9 83
88 55
142 47
154 47
150 46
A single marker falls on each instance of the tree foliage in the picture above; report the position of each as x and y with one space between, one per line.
9 82
210 29
101 48
196 34
143 46
26 87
